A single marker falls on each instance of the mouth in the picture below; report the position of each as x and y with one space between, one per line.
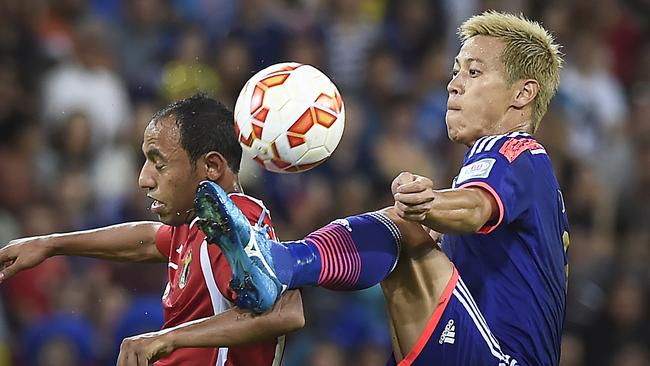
156 206
452 108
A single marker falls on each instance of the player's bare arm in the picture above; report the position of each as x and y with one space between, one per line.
131 242
230 328
458 210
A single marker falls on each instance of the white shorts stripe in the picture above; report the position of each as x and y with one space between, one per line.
279 351
495 352
470 300
219 304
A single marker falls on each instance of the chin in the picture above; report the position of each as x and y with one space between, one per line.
453 135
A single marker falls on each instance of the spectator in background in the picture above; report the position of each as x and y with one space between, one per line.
260 31
188 72
143 39
88 83
411 26
234 63
593 97
349 36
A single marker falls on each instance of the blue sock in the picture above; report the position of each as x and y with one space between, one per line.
348 254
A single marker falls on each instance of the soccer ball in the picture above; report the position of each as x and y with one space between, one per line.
289 117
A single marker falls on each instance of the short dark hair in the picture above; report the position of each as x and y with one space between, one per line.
205 125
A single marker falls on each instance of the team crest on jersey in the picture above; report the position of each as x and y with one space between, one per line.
477 169
185 272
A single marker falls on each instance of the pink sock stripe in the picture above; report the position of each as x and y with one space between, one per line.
325 254
341 262
346 261
332 276
354 270
334 272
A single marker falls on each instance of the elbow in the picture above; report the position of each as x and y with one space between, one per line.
474 223
470 220
293 315
295 321
287 315
294 318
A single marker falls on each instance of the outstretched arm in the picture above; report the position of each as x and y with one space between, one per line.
132 242
230 328
459 210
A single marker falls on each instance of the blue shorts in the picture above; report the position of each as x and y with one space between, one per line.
457 334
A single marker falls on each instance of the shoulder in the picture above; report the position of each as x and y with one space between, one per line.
247 203
508 147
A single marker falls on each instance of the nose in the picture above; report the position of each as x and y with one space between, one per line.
455 85
146 179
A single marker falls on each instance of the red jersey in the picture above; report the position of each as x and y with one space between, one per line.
198 287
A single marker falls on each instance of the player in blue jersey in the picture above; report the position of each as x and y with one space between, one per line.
502 301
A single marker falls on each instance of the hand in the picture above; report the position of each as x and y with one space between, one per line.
413 196
144 349
21 254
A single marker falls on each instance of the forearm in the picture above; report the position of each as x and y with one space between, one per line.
464 210
130 242
237 326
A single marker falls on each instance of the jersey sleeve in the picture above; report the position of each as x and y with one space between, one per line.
253 210
506 172
164 239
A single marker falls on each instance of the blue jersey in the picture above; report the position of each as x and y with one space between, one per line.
515 267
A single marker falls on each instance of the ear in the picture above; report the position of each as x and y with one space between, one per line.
215 166
525 93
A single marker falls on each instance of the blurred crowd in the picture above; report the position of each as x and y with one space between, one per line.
79 80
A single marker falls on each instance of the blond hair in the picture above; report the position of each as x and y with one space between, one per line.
530 52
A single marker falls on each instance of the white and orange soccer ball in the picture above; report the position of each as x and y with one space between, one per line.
289 117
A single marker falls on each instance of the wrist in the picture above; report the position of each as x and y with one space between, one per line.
168 342
52 245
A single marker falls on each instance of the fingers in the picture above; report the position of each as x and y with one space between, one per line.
123 358
422 208
131 358
128 356
415 217
401 179
412 199
4 256
10 270
134 352
143 360
419 184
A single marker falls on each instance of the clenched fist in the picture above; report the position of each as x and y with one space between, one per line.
414 196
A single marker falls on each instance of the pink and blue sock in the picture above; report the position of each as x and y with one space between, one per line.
348 254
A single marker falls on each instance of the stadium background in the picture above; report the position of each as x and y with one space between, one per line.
79 80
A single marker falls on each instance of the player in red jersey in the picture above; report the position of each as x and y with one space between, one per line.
185 143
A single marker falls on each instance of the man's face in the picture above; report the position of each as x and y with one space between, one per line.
168 174
479 94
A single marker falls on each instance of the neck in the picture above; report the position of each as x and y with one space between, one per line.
232 186
522 127
236 187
